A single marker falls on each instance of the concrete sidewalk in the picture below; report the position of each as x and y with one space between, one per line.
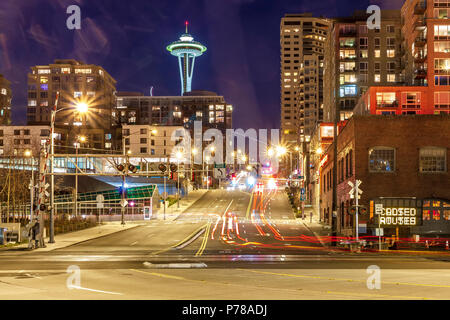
71 238
173 211
317 227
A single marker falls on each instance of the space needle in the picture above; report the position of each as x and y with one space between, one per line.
186 49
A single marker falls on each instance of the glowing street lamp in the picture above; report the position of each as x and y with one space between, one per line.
81 107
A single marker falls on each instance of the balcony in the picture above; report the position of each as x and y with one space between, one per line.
387 104
420 58
420 74
420 42
420 24
421 7
348 33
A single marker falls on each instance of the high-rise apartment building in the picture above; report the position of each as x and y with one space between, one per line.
5 101
77 83
358 57
302 39
426 34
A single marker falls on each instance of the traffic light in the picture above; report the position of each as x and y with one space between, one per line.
162 167
132 168
173 167
42 207
120 167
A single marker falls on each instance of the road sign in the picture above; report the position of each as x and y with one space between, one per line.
219 173
123 203
379 232
219 165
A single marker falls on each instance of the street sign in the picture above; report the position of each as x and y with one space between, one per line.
219 165
379 232
123 203
219 173
100 198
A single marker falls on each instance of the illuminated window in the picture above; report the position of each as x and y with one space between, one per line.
43 71
77 94
85 71
377 53
426 215
44 79
3 91
364 54
65 70
433 159
390 53
442 46
382 159
32 103
441 31
386 99
348 90
391 78
377 78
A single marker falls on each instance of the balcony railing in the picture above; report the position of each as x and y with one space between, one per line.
421 7
420 24
420 41
387 104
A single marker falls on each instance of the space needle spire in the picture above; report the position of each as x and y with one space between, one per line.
186 49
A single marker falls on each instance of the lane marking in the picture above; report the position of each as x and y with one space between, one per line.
249 204
93 290
205 240
182 241
133 243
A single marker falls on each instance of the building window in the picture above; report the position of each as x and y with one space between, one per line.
433 159
3 91
65 70
390 53
390 29
143 150
391 78
442 46
143 131
436 210
382 159
32 103
364 54
377 78
442 80
143 140
441 31
442 100
377 53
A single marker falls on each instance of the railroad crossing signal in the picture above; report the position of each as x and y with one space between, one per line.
355 189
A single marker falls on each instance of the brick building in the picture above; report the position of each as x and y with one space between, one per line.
5 101
402 161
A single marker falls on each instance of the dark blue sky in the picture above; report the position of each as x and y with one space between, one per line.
128 38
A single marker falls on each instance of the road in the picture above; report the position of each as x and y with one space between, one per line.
228 245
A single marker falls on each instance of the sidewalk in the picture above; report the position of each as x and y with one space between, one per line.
173 211
71 238
318 228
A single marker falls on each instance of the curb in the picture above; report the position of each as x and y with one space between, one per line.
97 237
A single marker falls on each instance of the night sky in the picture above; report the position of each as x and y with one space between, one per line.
128 38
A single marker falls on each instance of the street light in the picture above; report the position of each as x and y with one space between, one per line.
29 154
207 172
80 139
179 155
81 107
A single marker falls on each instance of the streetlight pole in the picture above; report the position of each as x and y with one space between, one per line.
52 163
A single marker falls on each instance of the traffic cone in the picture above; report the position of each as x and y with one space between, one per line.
426 244
446 245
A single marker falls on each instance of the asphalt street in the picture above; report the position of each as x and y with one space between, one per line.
228 245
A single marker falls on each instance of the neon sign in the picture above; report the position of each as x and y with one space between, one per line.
396 216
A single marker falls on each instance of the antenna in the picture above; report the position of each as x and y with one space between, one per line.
151 91
187 23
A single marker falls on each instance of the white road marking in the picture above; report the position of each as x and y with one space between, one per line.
93 290
133 243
